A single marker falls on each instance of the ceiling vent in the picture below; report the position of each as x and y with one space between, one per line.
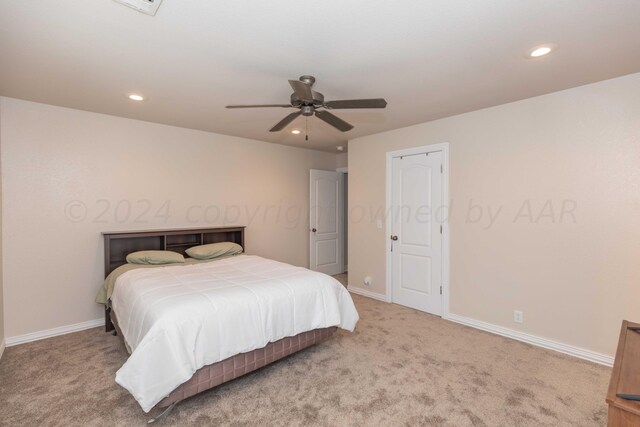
150 7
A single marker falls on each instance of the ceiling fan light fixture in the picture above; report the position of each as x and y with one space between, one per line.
295 132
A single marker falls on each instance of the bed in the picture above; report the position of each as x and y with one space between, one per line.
192 326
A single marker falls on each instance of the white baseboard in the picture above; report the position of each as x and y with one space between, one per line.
366 293
581 353
488 327
62 330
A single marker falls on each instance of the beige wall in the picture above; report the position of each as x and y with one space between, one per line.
62 168
346 222
2 340
342 160
574 281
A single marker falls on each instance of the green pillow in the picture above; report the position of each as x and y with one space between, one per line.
155 257
214 250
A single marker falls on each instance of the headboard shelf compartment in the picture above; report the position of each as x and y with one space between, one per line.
118 244
183 239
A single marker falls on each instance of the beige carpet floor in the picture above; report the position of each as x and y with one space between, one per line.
400 367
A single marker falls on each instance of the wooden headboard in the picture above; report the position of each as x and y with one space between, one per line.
118 244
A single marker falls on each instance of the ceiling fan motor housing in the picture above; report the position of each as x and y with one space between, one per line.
318 100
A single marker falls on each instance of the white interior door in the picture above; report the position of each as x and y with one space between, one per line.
325 221
416 233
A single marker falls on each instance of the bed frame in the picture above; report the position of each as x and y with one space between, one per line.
116 247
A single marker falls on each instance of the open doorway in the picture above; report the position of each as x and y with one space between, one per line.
328 227
326 219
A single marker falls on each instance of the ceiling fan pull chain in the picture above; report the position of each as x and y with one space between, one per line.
306 128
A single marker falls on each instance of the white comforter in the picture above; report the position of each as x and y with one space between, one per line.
178 319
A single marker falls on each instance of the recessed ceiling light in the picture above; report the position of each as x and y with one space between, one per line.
340 148
136 97
295 132
539 51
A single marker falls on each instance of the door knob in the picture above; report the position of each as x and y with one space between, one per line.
394 237
314 230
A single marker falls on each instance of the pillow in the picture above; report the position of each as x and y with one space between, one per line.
214 250
154 257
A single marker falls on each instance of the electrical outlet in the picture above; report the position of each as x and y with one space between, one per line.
368 280
518 317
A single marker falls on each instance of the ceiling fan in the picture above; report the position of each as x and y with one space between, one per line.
310 103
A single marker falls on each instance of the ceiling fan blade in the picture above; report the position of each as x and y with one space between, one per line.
259 106
356 103
302 90
334 121
284 122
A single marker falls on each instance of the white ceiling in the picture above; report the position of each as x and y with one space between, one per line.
429 59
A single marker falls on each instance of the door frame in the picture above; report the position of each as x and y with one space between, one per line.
444 149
